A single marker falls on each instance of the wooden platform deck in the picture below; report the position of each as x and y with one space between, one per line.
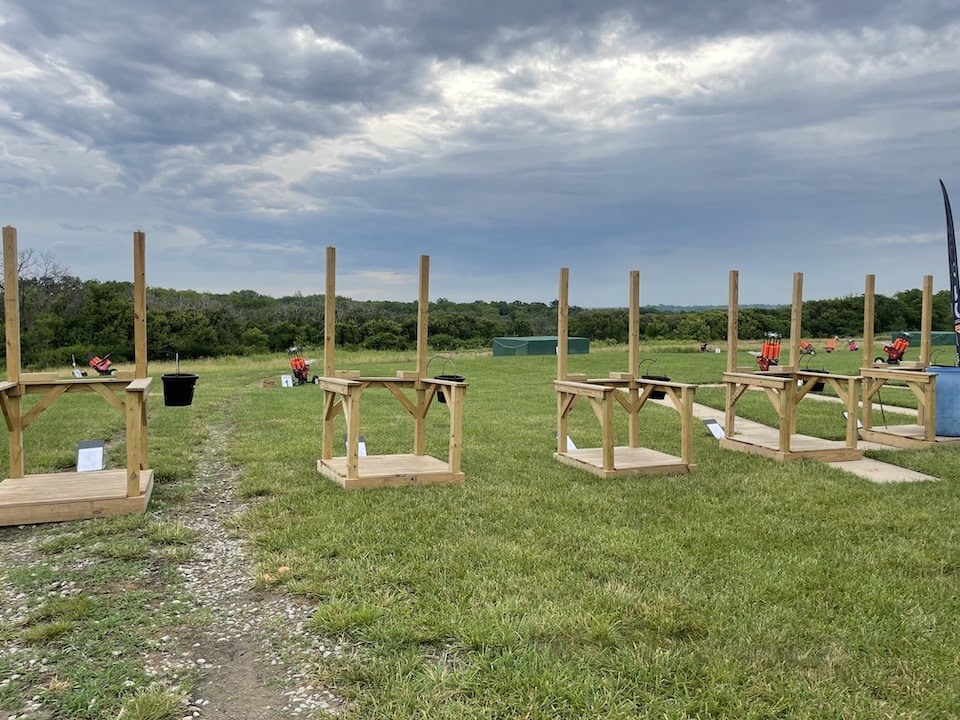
379 471
766 442
58 497
906 436
626 461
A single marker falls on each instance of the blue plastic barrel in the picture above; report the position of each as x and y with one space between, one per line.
948 400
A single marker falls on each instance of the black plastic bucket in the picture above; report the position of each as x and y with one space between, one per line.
454 378
657 394
818 386
178 388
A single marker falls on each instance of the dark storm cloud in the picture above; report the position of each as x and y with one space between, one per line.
509 137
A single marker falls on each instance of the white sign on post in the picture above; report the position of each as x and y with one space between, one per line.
714 427
361 446
89 455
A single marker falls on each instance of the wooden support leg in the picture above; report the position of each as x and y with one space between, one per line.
16 438
420 423
330 409
608 431
686 425
929 418
351 411
455 398
853 402
633 420
134 418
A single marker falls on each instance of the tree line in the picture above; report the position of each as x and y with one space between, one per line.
64 317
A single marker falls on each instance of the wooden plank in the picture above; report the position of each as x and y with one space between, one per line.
796 316
140 303
330 313
338 385
59 497
563 310
585 389
869 304
381 471
907 436
627 462
11 302
39 377
767 443
733 320
140 385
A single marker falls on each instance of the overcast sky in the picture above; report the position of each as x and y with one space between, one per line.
504 138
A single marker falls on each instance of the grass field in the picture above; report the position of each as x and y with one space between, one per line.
749 589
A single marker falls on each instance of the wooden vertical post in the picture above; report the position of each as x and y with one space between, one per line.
562 319
926 321
853 405
607 431
423 316
686 426
796 320
788 413
423 324
869 308
868 312
633 420
329 348
733 321
136 402
351 411
11 307
634 320
455 397
330 314
140 303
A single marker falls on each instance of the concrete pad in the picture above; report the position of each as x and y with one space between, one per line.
881 472
867 468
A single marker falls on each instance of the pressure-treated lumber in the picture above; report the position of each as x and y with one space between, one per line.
785 386
621 389
56 497
912 374
342 394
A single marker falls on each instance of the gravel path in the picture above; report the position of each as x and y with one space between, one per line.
254 659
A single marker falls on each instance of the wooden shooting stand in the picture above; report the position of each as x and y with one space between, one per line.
910 373
414 390
630 392
56 497
785 386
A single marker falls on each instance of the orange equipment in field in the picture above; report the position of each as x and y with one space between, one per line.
896 349
301 367
769 351
806 348
831 345
103 366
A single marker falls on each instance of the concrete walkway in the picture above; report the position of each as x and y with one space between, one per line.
867 468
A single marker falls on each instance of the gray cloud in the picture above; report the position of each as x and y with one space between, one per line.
503 138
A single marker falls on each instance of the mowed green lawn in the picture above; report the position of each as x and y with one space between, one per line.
747 589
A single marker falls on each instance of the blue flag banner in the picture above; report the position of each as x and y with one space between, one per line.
954 275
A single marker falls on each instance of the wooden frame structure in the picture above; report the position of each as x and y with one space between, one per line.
56 497
913 374
629 391
342 392
785 386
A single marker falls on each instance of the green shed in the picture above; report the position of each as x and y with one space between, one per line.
538 345
937 337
